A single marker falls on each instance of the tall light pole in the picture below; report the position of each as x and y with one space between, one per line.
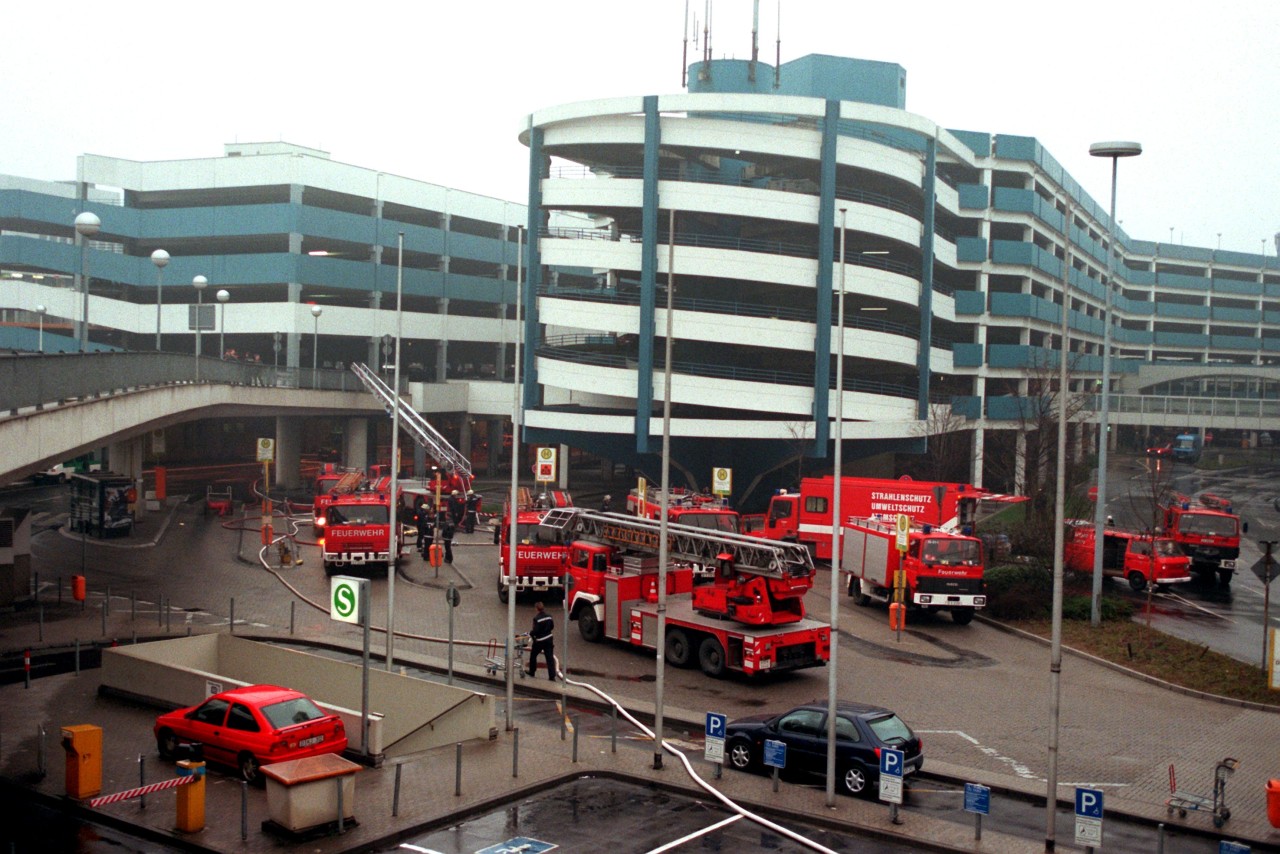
199 283
316 311
40 310
223 296
393 547
836 518
87 225
1114 150
161 259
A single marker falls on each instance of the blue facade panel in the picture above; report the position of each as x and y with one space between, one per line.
966 355
971 249
970 302
1237 315
1173 309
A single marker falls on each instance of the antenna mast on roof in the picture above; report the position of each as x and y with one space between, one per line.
777 63
704 72
684 53
755 40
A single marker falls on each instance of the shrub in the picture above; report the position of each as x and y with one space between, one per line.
1019 591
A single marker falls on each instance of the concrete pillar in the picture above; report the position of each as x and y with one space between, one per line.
293 344
355 453
464 436
374 358
564 466
419 461
975 458
442 346
126 458
288 451
495 446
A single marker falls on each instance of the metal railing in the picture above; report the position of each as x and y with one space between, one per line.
1207 407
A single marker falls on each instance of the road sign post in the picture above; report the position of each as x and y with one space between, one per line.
1089 818
891 767
349 603
713 751
977 800
775 757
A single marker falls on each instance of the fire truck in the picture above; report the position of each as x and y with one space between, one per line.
540 555
686 508
1138 558
331 483
805 516
750 619
357 529
941 570
1209 534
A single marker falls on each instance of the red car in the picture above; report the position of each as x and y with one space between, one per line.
1161 450
249 727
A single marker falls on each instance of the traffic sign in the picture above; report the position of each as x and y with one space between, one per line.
544 470
721 480
266 450
775 753
1225 847
1089 817
714 746
345 596
1266 568
904 531
891 767
519 845
977 799
452 596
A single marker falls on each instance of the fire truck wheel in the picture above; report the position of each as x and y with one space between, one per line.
855 590
739 751
854 780
503 595
589 625
711 657
677 648
1137 581
962 616
497 535
1224 577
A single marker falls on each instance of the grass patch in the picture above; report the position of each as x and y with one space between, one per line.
1131 644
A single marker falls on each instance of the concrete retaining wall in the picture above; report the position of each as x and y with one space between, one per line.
413 714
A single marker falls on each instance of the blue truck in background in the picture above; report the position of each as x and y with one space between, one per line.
1187 447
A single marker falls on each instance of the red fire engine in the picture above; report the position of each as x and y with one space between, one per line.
750 619
698 510
1208 534
540 554
1140 559
805 516
329 485
941 570
357 529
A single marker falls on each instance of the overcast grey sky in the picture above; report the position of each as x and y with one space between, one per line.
436 91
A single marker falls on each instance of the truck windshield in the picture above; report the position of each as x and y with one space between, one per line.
358 514
949 552
1202 524
534 533
725 522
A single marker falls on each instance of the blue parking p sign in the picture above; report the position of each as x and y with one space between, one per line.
1089 803
716 724
891 763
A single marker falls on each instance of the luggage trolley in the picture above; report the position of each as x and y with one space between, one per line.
1182 802
495 660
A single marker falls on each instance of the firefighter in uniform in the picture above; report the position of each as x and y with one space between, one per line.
542 634
472 512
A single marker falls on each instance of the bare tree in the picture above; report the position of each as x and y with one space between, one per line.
947 435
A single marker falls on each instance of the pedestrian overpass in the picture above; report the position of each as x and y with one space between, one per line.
57 407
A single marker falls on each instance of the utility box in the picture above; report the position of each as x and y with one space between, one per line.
302 794
83 745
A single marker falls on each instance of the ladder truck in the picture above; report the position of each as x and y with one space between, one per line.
749 619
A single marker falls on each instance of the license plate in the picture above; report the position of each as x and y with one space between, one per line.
307 742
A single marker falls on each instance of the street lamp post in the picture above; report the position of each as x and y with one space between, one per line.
161 259
199 283
1114 150
87 225
223 296
40 310
316 311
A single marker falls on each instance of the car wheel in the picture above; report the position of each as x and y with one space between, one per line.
677 648
739 753
250 770
589 625
711 658
166 744
1224 577
1137 581
853 780
962 616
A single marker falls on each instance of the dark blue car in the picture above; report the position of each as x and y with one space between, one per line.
861 733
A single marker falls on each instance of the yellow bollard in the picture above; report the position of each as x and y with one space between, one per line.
83 744
191 798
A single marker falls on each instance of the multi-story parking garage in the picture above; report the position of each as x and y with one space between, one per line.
955 244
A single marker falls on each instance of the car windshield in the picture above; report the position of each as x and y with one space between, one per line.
890 729
951 552
724 522
1167 548
1206 525
358 514
289 713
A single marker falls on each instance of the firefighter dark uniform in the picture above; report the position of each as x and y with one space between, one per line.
542 635
447 529
473 512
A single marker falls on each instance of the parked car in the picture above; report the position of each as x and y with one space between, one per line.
56 474
246 728
861 733
1165 450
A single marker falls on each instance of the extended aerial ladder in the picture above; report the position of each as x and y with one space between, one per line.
770 558
423 433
